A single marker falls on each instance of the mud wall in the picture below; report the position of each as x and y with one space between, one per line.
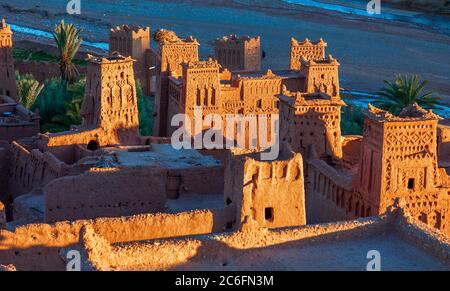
30 169
110 192
37 246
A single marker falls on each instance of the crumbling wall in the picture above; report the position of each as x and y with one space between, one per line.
4 172
270 192
110 192
30 169
37 246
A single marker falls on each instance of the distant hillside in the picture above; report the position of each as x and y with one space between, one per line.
439 6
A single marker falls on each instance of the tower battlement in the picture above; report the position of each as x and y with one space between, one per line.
306 49
238 53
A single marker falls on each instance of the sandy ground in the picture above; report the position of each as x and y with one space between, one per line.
369 50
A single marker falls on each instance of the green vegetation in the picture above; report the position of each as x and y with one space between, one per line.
68 40
28 89
352 119
39 56
146 109
404 91
60 110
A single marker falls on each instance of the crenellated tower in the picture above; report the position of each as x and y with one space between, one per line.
7 74
306 49
110 102
133 42
321 76
172 52
238 53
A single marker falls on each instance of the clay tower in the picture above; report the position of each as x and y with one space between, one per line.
172 52
398 158
7 74
238 53
306 49
321 76
110 102
134 42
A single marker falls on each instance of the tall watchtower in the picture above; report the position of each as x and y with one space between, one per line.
134 42
7 74
201 86
321 76
238 53
398 157
110 102
306 49
173 51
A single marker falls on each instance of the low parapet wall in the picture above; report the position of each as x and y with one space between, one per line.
109 192
30 169
37 246
218 250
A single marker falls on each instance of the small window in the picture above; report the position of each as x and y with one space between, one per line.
228 201
268 213
410 183
259 103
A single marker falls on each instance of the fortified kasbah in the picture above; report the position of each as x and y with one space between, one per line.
159 156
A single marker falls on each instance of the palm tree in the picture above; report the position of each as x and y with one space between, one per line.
404 91
28 89
68 40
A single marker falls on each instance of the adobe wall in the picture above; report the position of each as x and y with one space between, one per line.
201 180
41 71
329 195
30 169
444 144
178 254
351 149
270 192
18 131
4 172
110 192
36 246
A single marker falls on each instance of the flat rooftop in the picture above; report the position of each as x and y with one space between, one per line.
163 155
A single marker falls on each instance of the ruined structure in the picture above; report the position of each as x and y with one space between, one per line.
7 75
238 53
134 42
251 185
16 121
